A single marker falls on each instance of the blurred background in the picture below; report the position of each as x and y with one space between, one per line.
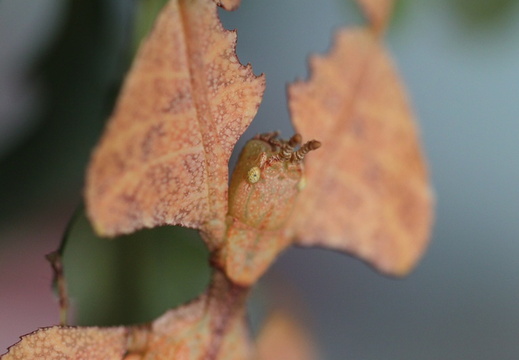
61 64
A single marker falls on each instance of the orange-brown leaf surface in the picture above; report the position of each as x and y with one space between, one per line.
367 188
282 337
212 327
378 12
163 158
58 343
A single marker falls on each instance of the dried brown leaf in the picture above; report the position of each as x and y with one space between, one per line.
211 327
58 343
282 337
367 189
378 12
163 158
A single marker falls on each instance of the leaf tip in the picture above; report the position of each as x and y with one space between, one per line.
229 5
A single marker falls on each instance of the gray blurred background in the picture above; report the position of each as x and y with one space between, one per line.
61 64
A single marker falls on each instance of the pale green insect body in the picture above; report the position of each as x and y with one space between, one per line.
264 187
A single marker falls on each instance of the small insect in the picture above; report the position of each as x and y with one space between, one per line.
275 169
264 186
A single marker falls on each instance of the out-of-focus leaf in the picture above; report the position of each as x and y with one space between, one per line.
367 189
228 4
164 156
282 337
378 12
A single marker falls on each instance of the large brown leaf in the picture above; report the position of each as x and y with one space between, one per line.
212 327
367 188
163 158
58 343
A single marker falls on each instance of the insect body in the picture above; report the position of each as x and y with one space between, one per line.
264 186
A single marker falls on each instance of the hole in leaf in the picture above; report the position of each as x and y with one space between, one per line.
132 278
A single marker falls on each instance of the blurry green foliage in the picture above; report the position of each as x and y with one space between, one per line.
482 13
132 278
471 14
79 75
147 11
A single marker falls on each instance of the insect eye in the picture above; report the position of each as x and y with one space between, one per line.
253 175
301 184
